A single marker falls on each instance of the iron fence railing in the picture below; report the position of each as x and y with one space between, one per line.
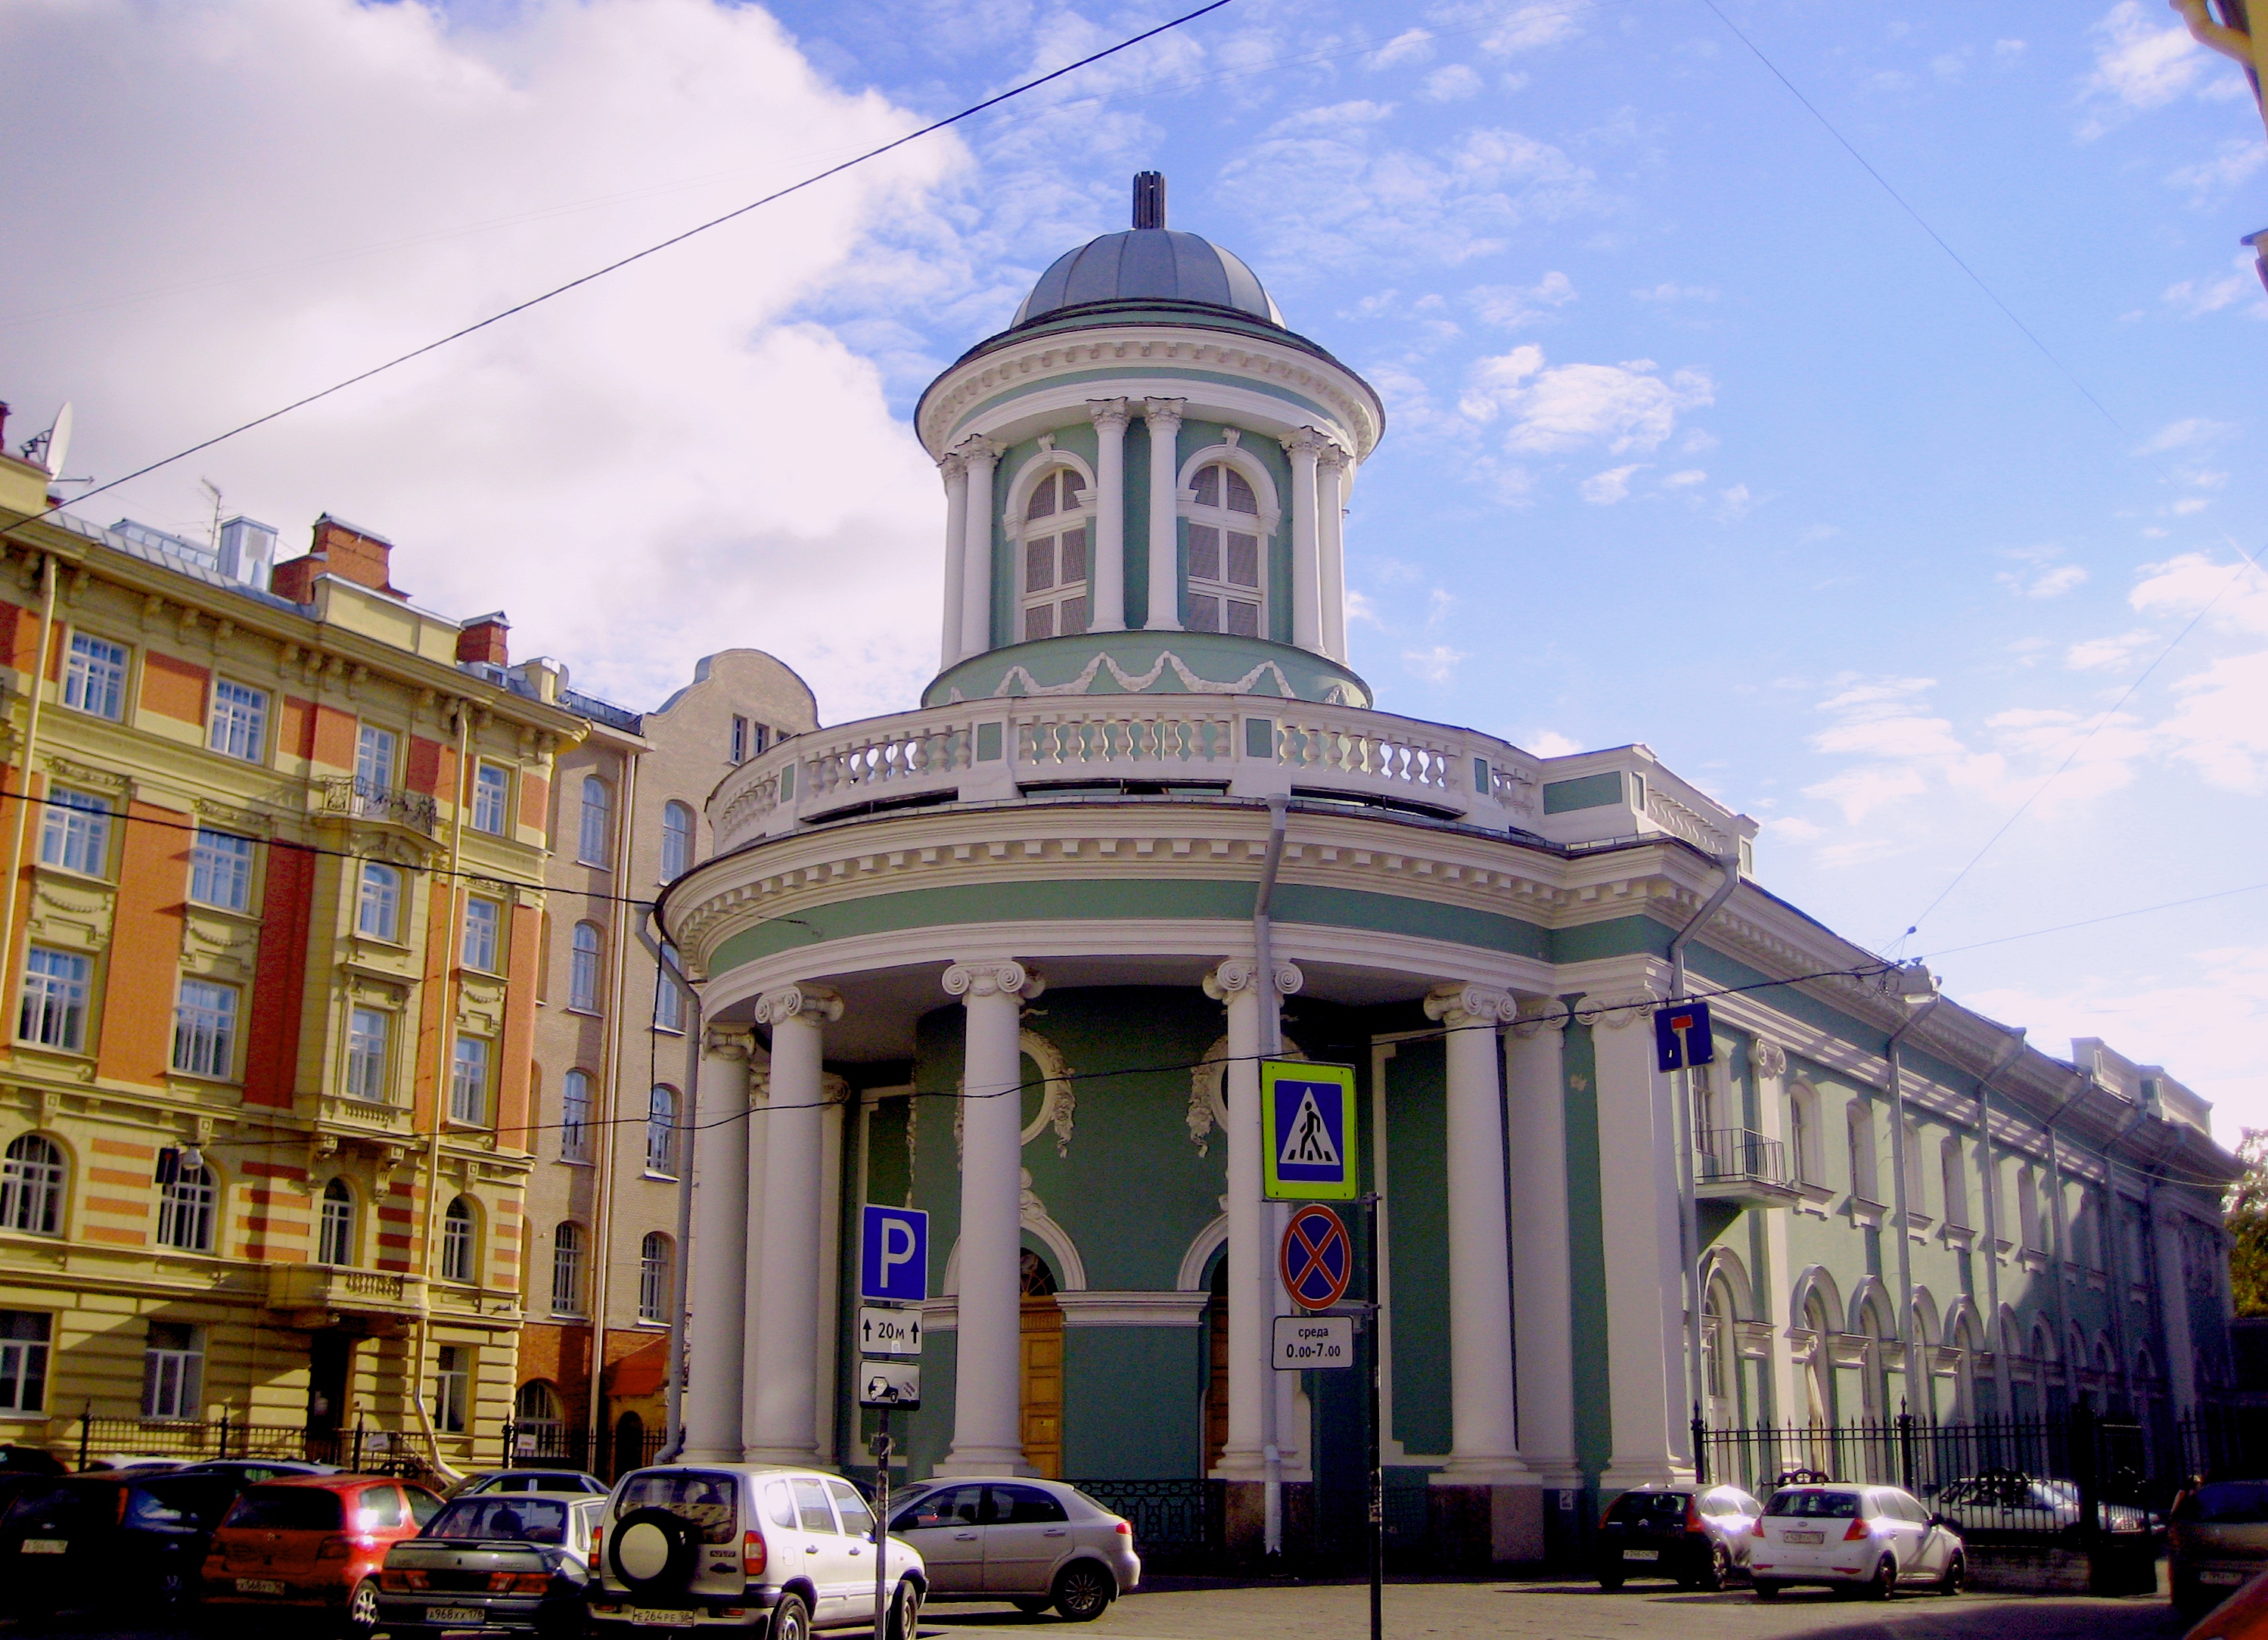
361 1447
1724 1154
522 1442
1176 1523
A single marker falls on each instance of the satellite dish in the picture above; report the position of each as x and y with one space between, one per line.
58 442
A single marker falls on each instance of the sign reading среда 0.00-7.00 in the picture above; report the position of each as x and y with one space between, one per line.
1309 1343
1307 1131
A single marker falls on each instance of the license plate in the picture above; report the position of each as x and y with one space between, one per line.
661 1620
453 1614
45 1546
258 1585
1641 1554
1804 1537
2203 1576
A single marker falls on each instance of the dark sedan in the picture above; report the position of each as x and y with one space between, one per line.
492 1563
117 1539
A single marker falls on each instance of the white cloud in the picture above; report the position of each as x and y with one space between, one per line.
1549 743
1667 292
2238 158
2197 298
1734 502
1452 82
2048 583
2139 64
1411 45
1360 606
2105 654
2183 585
2195 430
1625 406
1512 306
1438 666
1531 27
2219 728
1690 476
1605 489
2006 51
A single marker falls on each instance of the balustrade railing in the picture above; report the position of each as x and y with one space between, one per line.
1731 1153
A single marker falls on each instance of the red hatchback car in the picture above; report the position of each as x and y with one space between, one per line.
315 1542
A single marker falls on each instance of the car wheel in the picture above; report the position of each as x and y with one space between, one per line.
1956 1576
1767 1589
170 1588
1717 1572
790 1619
905 1612
1032 1605
1084 1591
361 1609
1884 1583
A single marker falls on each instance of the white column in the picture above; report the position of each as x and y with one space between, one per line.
978 457
1542 1310
988 1436
1486 1447
1330 507
1106 574
1769 1060
720 1228
1164 418
782 1400
1305 448
956 556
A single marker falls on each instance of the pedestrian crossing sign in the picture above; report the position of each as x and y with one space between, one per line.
1307 1129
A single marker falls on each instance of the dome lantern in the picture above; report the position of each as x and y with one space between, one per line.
1149 265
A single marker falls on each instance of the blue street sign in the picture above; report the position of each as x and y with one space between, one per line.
893 1254
1682 1037
1307 1124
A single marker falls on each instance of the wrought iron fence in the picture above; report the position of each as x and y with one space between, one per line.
1177 1524
1724 1154
361 1448
529 1441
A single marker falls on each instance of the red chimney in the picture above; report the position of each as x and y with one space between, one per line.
340 549
484 640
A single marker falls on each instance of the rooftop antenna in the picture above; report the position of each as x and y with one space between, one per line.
50 448
212 527
1149 199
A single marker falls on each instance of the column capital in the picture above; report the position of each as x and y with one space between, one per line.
1308 443
1769 1057
1008 978
1163 412
728 1042
1461 1006
1614 1013
952 465
976 448
1109 412
1539 1016
816 1002
1333 456
1237 974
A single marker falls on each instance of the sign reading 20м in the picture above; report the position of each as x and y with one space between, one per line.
1307 1132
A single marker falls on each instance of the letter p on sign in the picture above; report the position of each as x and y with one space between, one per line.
893 1254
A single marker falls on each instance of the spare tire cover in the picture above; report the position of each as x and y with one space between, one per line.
653 1551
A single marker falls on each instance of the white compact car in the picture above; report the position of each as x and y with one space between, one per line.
746 1546
1872 1538
1032 1543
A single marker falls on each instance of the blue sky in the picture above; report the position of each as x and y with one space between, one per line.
1696 436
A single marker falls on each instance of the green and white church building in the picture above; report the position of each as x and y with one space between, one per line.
1005 958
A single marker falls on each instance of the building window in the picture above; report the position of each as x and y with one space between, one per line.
676 840
334 1235
172 1371
567 1269
220 870
95 680
24 1335
749 739
187 1197
661 1132
482 918
669 1001
469 1081
374 750
582 972
378 910
575 1116
54 1013
1955 1184
1803 1133
76 834
1862 1137
537 1428
1917 1198
492 792
457 1241
368 1030
452 1388
239 721
204 1029
1055 559
655 1270
597 825
1225 560
32 1185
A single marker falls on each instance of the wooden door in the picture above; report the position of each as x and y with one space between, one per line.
1217 1382
1040 1394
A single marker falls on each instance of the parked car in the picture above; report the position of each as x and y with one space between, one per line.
508 1562
112 1540
747 1546
2002 1501
312 1542
251 1471
1870 1538
18 1458
529 1481
2216 1540
1698 1535
2242 1616
1033 1543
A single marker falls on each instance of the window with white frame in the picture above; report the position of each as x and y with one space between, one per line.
334 1230
377 907
54 1011
1054 588
537 1428
483 919
583 969
749 739
220 870
597 826
567 1269
370 1032
452 1388
491 797
172 1371
469 1081
457 1241
76 831
186 1201
239 721
575 1116
1803 1135
668 1004
25 1337
656 1268
204 1029
32 1185
374 761
94 677
1917 1201
1952 1179
676 840
1860 1133
1227 565
661 1132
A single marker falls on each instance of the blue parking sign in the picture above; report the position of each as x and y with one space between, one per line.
893 1254
1681 1036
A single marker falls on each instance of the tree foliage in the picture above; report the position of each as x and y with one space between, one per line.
2245 1213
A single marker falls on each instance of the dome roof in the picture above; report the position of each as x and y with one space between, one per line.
1149 265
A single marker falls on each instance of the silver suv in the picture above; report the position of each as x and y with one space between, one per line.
1032 1543
749 1547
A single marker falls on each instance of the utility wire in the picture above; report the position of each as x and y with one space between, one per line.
2110 917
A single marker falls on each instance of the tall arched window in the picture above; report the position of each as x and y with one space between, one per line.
457 1260
335 1232
567 1269
655 1271
1917 1198
1054 595
575 1116
1819 1382
1862 1137
1952 1179
1227 567
582 972
185 1210
676 840
537 1428
661 1132
1803 1133
597 828
32 1185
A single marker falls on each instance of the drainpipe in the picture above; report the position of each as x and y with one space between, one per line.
613 1036
23 761
1271 1042
1992 1179
1917 990
1688 1209
670 975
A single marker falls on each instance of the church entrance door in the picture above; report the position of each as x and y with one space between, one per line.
1040 1393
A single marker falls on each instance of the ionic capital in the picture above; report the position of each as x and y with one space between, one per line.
728 1042
1539 1016
1769 1057
1239 974
968 980
1458 1006
1108 412
1163 413
1614 1013
814 1005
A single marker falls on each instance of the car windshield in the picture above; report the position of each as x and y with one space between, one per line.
186 1501
288 1509
66 1503
522 1519
694 1495
2226 1503
1648 1505
1814 1505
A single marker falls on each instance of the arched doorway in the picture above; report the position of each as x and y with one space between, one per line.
629 1444
1040 1393
1216 1394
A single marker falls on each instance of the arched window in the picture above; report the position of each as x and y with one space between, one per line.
1917 1198
335 1232
1860 1134
32 1185
377 911
656 1269
537 1428
575 1116
598 822
1803 1133
1874 1374
1053 594
457 1260
661 1132
1953 1179
582 972
567 1269
1227 565
184 1209
676 840
1819 1382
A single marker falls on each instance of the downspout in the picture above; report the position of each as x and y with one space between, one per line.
1921 1005
1689 1206
48 579
1271 1043
612 1038
683 1263
1991 1180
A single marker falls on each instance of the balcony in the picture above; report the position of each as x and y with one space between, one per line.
317 1294
1743 1167
360 798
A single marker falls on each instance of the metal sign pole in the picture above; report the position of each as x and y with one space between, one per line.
1377 1475
882 1528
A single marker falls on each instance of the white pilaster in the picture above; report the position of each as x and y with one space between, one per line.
1305 448
1543 1291
978 457
782 1409
1164 419
1107 575
955 472
1330 507
720 1227
988 1437
1769 1060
